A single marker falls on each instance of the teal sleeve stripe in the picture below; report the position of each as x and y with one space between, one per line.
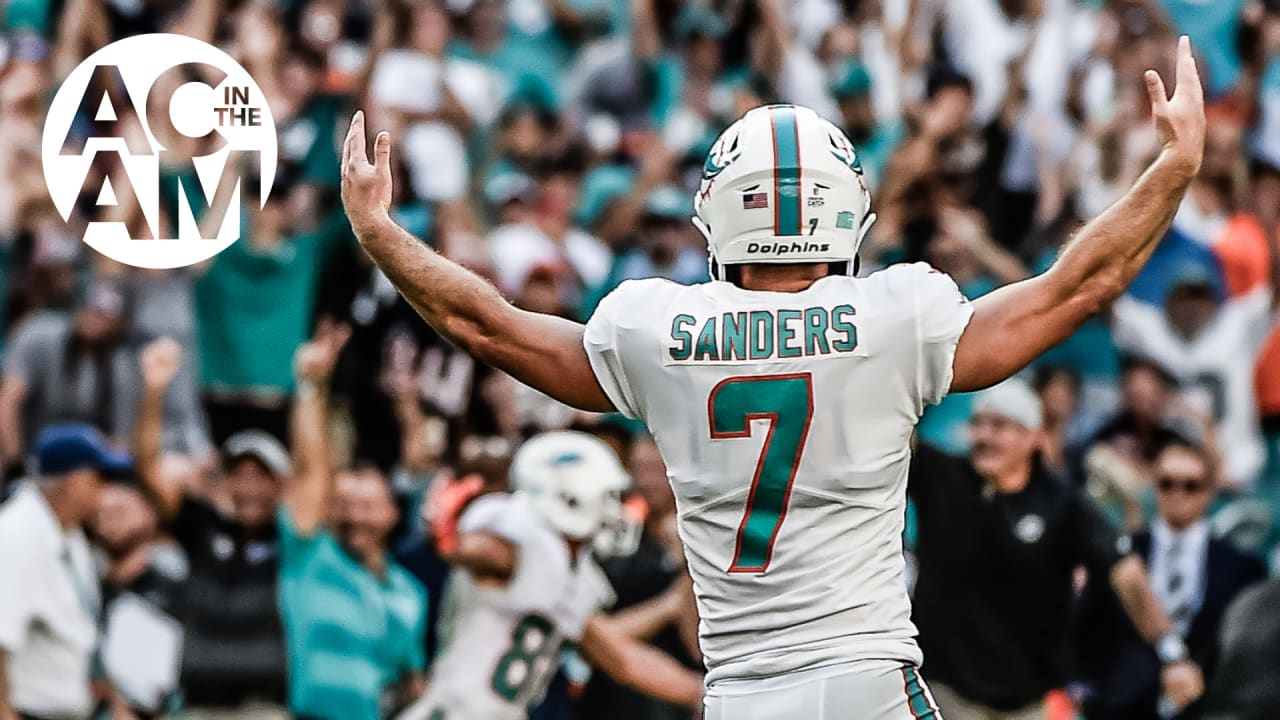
786 179
917 700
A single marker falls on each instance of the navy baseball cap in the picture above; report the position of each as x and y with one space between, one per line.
65 447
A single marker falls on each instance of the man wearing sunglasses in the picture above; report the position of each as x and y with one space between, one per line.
1194 575
1000 540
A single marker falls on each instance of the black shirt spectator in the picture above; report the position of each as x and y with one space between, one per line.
234 649
995 570
1140 429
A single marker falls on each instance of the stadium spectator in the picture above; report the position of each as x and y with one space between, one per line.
141 585
354 619
550 248
874 138
254 306
1195 576
60 368
1188 337
1058 389
934 163
431 98
955 241
162 304
233 656
49 599
999 541
665 245
1115 461
1245 687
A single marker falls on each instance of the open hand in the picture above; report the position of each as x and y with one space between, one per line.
314 359
1180 119
366 188
160 360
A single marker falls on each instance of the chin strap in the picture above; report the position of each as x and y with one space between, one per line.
702 227
714 269
867 222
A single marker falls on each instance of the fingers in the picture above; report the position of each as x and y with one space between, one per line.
1188 77
382 153
1155 90
353 146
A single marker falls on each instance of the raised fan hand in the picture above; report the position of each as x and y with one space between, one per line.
315 359
160 360
1180 119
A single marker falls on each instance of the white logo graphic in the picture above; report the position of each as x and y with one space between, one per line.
1029 529
198 97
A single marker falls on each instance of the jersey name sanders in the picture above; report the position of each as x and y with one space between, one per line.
763 334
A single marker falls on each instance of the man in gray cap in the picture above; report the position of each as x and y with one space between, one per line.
49 597
999 540
233 659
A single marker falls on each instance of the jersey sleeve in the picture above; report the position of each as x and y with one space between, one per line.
601 341
495 514
942 314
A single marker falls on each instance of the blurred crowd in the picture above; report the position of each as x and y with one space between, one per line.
552 146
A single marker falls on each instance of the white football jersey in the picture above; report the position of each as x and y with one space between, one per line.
502 645
1215 369
785 421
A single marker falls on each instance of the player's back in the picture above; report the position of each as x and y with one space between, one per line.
502 643
785 421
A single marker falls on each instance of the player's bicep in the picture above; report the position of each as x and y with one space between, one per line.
1012 326
546 353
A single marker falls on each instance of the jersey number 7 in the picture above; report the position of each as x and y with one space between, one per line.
786 401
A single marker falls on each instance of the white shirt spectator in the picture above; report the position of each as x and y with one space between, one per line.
802 82
412 82
1177 570
1052 44
1214 369
519 248
811 19
49 603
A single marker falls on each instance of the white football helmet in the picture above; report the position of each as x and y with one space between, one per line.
782 185
573 480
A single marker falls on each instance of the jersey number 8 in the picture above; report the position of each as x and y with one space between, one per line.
786 401
533 649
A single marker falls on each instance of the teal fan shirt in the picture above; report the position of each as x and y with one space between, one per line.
349 634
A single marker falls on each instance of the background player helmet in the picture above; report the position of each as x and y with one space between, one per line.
573 480
782 185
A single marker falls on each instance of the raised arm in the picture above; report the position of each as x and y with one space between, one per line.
311 485
542 351
638 666
1181 680
1015 324
160 360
